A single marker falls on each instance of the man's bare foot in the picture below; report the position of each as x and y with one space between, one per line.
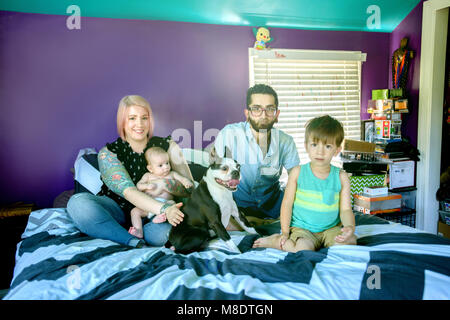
272 241
138 233
159 218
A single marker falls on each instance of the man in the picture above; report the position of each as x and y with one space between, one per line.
262 151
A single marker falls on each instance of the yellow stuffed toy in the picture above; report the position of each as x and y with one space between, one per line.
262 38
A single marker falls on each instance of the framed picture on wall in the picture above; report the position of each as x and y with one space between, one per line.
367 130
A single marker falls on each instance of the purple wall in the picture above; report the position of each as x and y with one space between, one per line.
59 88
410 27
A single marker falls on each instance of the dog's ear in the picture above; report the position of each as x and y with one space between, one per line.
228 153
213 156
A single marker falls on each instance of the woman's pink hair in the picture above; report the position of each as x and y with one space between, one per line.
128 101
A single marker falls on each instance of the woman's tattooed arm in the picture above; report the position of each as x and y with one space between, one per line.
113 173
176 188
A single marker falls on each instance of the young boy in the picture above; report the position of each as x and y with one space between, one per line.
158 166
316 210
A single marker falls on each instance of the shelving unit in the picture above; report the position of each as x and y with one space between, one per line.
406 216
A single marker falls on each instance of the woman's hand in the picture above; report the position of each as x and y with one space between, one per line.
174 215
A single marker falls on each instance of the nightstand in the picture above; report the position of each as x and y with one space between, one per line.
13 220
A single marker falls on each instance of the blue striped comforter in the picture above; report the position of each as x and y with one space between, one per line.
391 261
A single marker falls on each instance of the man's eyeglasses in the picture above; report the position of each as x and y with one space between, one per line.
257 111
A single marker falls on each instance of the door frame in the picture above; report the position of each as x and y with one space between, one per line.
431 98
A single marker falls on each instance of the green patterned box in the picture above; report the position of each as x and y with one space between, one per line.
380 94
394 93
357 183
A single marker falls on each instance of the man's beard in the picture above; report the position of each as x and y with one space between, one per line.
261 127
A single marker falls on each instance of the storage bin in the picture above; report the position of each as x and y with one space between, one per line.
444 216
357 183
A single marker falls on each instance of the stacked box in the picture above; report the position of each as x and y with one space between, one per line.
401 174
358 146
378 204
382 129
401 105
380 106
396 93
375 190
357 183
380 94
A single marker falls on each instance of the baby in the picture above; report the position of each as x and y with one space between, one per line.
158 166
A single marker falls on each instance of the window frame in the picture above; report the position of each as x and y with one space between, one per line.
278 57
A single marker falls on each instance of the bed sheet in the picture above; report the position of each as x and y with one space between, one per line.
391 261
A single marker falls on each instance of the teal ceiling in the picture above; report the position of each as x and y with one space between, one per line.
347 15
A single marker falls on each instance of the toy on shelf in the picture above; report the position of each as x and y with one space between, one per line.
400 62
262 38
387 129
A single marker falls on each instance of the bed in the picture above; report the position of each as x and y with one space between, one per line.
54 260
391 261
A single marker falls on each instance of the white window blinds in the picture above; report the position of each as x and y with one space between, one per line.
311 83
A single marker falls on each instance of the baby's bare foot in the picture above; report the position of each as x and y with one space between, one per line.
136 232
159 218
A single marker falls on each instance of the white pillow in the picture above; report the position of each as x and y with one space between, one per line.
85 173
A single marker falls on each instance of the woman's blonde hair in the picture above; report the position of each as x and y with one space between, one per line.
128 101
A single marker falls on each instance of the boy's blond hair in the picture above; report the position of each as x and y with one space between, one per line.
325 129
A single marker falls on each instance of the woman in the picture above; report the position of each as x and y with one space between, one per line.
122 164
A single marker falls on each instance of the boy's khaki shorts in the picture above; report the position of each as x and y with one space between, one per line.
320 239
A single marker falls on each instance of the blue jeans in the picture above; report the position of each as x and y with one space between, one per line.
101 217
270 209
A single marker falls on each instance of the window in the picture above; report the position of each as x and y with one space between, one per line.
311 83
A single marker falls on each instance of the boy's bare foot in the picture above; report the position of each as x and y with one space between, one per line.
272 241
136 232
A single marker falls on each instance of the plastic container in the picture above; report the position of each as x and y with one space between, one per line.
444 216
